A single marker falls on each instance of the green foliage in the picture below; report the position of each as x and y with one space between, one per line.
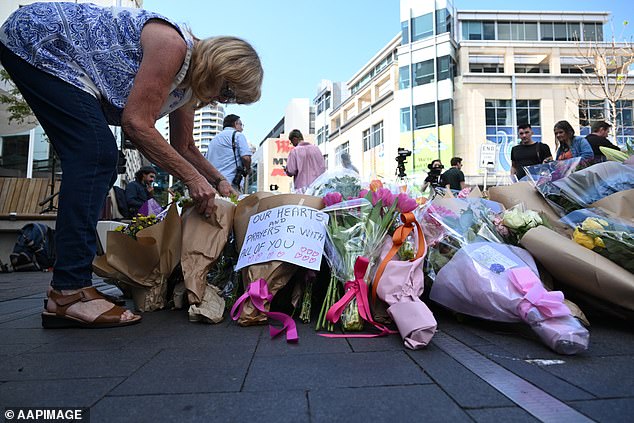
19 110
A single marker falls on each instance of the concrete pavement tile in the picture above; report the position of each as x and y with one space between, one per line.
16 349
31 319
503 414
309 342
608 410
540 376
72 365
291 407
608 338
467 389
38 336
462 333
333 370
605 377
190 371
414 403
55 393
391 342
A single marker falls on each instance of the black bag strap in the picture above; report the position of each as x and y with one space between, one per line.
233 147
539 149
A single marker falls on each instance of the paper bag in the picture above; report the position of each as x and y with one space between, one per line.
526 193
580 268
275 273
203 242
620 204
144 264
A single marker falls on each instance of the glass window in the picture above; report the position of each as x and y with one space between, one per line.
592 31
423 72
422 27
547 31
488 30
517 30
504 30
403 77
405 32
405 119
574 31
560 32
499 117
445 67
472 30
424 116
530 31
445 112
443 21
377 134
366 140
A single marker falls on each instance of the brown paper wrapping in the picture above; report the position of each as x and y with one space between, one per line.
526 193
580 268
620 204
203 242
275 273
145 263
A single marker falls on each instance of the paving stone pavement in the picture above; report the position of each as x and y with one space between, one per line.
168 369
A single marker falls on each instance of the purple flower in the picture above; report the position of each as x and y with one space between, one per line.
405 203
363 193
332 198
383 194
497 268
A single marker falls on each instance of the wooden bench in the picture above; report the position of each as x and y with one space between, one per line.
20 198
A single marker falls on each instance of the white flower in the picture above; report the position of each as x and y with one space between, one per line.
513 219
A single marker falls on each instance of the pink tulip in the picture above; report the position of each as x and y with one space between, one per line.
405 203
332 198
363 193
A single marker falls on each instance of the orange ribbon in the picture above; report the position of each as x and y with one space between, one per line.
400 235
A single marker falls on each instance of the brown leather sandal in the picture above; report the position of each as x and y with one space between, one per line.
59 318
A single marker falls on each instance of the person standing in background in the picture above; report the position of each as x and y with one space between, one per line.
140 190
305 162
599 138
527 152
229 152
453 178
347 163
569 145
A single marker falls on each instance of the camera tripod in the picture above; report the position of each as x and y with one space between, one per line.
51 206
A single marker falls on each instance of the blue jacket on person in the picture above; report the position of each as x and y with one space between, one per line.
580 147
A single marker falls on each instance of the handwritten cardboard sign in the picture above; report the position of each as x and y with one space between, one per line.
294 234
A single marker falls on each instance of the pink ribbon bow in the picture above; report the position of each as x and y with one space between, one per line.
258 292
356 288
549 303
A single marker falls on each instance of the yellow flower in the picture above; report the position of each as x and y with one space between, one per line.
598 242
592 223
583 239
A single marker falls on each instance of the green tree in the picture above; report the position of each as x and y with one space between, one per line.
19 110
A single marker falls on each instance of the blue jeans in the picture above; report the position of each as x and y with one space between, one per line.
77 129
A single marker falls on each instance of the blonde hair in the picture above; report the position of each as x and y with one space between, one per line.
217 61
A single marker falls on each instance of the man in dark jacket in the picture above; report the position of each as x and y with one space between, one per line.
598 138
140 190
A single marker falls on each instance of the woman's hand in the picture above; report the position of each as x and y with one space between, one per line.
203 195
226 189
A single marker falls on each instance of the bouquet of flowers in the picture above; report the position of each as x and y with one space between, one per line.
343 181
138 223
476 274
610 237
358 228
513 223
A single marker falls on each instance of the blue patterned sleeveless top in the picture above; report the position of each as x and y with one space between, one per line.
94 48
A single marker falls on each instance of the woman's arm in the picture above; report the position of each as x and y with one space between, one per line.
181 138
163 55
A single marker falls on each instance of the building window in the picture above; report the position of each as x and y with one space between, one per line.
422 27
571 69
323 102
424 116
591 111
517 31
560 31
538 68
405 119
404 32
478 30
446 67
377 134
486 68
499 117
445 112
403 77
423 72
443 21
592 31
366 140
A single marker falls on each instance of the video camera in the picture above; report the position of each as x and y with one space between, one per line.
241 172
401 158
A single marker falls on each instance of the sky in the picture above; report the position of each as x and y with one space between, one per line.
301 42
